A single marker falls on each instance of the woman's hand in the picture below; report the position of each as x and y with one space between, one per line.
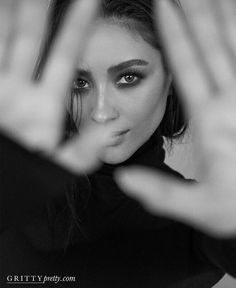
201 49
31 112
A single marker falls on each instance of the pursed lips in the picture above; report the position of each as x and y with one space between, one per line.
118 137
120 133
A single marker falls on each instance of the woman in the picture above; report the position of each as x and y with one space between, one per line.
120 97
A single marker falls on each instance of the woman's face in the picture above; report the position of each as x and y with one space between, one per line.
122 83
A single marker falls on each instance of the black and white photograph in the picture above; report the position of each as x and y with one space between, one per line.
118 143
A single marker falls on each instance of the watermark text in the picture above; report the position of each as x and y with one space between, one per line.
37 279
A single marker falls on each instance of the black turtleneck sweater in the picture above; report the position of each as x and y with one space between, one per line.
54 223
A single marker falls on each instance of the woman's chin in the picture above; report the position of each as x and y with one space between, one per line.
116 155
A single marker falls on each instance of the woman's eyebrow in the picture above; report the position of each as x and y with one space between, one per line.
127 64
83 73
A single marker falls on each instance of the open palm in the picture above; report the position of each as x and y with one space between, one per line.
31 112
201 49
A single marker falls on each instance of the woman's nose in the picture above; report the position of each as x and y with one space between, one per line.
104 110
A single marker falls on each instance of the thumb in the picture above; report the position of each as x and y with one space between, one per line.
163 195
84 153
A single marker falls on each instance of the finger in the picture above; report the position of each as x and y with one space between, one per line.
203 20
218 133
84 153
165 196
227 8
60 68
183 56
31 23
6 23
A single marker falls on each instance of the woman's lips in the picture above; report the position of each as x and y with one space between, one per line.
120 133
118 137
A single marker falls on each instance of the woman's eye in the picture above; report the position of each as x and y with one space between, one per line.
81 84
128 79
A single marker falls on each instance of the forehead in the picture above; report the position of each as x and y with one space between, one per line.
111 43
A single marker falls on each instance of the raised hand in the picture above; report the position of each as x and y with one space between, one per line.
33 112
201 49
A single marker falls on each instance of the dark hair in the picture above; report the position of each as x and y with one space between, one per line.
136 15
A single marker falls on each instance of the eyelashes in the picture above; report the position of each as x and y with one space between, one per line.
130 78
81 83
127 79
80 86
